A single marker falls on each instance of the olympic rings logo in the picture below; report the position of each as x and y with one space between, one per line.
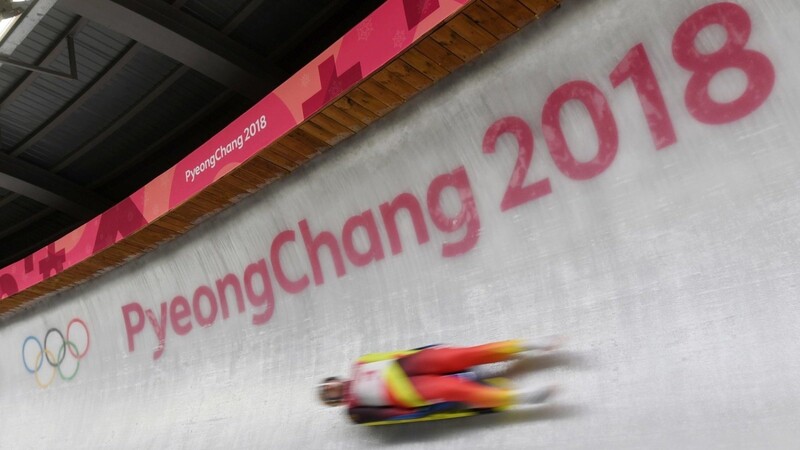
69 345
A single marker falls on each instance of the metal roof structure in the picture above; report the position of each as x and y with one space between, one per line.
152 80
168 92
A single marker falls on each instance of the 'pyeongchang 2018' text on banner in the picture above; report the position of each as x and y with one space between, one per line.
254 288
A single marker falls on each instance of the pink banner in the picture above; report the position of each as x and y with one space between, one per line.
392 28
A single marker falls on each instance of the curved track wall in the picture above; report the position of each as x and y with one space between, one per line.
657 229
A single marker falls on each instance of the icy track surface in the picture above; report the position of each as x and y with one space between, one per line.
655 223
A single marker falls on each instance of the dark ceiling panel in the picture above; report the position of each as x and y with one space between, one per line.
36 235
294 32
213 12
119 94
32 111
190 93
49 189
274 19
171 147
8 78
19 119
17 211
186 40
146 69
103 43
46 31
26 79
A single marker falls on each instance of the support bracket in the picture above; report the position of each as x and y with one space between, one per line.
73 65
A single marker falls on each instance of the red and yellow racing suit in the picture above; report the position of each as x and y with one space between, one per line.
398 384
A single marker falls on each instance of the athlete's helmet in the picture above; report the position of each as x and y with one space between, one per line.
331 391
